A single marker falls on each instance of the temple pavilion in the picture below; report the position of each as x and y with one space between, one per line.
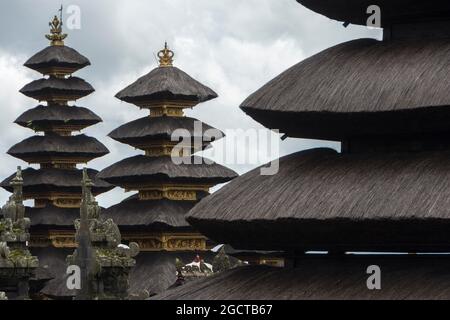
168 180
54 183
388 103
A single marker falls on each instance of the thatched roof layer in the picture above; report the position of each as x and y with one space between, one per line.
61 180
53 260
166 84
361 87
322 200
156 271
355 11
57 56
145 169
72 87
79 146
51 216
403 278
152 214
45 116
159 128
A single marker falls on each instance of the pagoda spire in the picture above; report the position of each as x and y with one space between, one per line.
166 57
55 186
165 191
56 35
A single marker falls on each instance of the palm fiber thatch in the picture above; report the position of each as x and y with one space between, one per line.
73 88
322 200
166 84
42 117
53 260
79 146
57 56
140 169
325 278
51 216
156 215
361 87
60 180
355 11
155 272
160 128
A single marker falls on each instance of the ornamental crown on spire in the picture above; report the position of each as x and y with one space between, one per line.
166 57
56 36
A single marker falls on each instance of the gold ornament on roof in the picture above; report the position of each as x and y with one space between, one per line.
166 57
56 36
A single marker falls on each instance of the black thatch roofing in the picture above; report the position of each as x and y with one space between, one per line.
361 87
79 146
53 260
325 278
51 216
166 84
151 214
61 180
41 117
143 169
57 56
322 200
73 88
156 271
355 11
159 128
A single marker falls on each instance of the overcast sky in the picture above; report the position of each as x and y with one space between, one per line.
232 46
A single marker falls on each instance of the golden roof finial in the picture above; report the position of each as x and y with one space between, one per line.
166 57
56 36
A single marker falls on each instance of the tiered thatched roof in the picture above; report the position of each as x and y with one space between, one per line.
173 188
51 146
392 11
322 200
149 129
166 84
150 215
57 57
72 88
362 87
325 278
58 180
144 169
41 117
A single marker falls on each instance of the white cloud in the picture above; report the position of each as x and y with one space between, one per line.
232 46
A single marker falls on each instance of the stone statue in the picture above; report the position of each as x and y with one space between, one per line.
17 265
104 262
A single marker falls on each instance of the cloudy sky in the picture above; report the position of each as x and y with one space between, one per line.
232 46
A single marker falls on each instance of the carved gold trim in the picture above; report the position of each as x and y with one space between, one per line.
57 71
58 165
58 200
168 241
56 35
158 151
51 160
171 192
176 195
58 99
167 186
160 105
54 238
169 111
